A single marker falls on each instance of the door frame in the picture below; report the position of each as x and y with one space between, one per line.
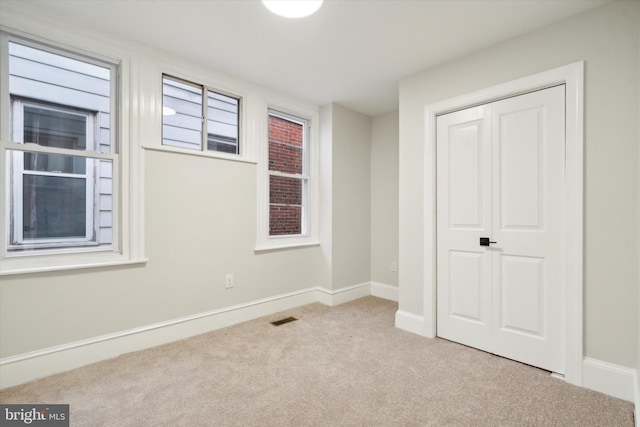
572 76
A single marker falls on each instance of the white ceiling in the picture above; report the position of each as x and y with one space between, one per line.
352 52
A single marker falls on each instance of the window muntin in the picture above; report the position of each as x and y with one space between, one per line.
60 195
288 175
197 118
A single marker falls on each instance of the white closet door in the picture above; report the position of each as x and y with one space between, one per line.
500 176
464 216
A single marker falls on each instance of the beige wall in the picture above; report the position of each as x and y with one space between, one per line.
326 192
607 40
384 198
200 225
351 202
359 190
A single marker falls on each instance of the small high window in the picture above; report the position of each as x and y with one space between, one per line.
198 118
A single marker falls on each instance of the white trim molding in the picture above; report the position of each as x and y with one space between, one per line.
28 366
25 367
608 378
411 323
128 238
333 297
385 291
572 76
309 115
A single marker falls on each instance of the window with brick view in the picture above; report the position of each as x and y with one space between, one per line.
287 176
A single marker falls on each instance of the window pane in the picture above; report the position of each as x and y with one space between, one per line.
54 207
285 205
286 191
285 145
55 163
225 145
222 123
54 128
182 114
48 77
285 220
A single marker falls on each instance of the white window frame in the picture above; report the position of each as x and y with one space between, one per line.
208 80
127 246
17 172
204 119
303 177
309 116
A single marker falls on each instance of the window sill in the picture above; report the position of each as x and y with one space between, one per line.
44 264
207 154
288 246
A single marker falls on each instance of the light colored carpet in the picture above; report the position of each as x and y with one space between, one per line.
335 366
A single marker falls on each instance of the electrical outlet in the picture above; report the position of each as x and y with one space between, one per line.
228 283
394 266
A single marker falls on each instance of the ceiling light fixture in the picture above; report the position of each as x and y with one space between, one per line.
293 8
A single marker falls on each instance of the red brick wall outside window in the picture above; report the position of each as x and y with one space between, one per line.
286 155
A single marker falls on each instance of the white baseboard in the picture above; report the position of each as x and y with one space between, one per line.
382 290
25 367
28 366
333 297
608 378
410 322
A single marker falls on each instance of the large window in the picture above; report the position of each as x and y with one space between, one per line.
61 155
288 175
198 118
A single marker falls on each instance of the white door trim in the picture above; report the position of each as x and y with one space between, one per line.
572 76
